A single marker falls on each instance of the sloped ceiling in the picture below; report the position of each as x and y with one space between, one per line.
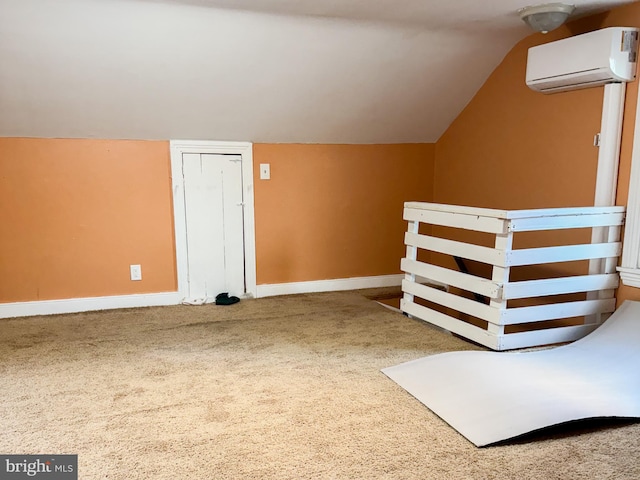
307 71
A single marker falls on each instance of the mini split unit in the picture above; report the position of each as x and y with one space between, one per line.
596 58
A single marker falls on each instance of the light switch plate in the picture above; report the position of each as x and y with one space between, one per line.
265 171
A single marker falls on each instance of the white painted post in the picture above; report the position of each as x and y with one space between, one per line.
608 266
503 243
607 173
609 152
412 254
630 264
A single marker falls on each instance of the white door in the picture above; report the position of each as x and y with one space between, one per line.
213 205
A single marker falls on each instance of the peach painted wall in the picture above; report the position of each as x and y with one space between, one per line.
515 148
335 211
76 213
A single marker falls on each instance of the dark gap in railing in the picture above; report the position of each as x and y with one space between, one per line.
463 268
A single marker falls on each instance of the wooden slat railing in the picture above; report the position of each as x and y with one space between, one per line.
599 285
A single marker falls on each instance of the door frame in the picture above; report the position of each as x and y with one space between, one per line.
245 150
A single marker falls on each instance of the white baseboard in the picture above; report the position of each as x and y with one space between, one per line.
74 305
270 290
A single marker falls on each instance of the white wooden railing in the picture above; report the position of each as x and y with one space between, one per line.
450 308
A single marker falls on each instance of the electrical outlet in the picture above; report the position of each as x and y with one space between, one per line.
136 272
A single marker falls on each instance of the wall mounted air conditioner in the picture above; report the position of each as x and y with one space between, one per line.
591 59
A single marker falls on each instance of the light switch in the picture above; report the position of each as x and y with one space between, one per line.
265 171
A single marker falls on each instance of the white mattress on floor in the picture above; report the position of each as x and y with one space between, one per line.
494 396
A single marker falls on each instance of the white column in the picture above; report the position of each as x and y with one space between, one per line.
607 173
630 269
609 152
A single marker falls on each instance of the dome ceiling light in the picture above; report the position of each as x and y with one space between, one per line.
546 17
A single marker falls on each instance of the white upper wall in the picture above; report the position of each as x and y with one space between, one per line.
164 70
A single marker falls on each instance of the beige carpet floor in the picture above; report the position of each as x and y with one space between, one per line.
283 388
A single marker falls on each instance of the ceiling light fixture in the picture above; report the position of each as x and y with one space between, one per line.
547 17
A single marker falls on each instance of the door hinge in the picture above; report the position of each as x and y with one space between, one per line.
596 140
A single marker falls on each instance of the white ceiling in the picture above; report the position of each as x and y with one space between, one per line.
308 71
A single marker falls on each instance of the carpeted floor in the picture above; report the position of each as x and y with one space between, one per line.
283 388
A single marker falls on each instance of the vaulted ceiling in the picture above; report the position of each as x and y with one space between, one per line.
308 71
